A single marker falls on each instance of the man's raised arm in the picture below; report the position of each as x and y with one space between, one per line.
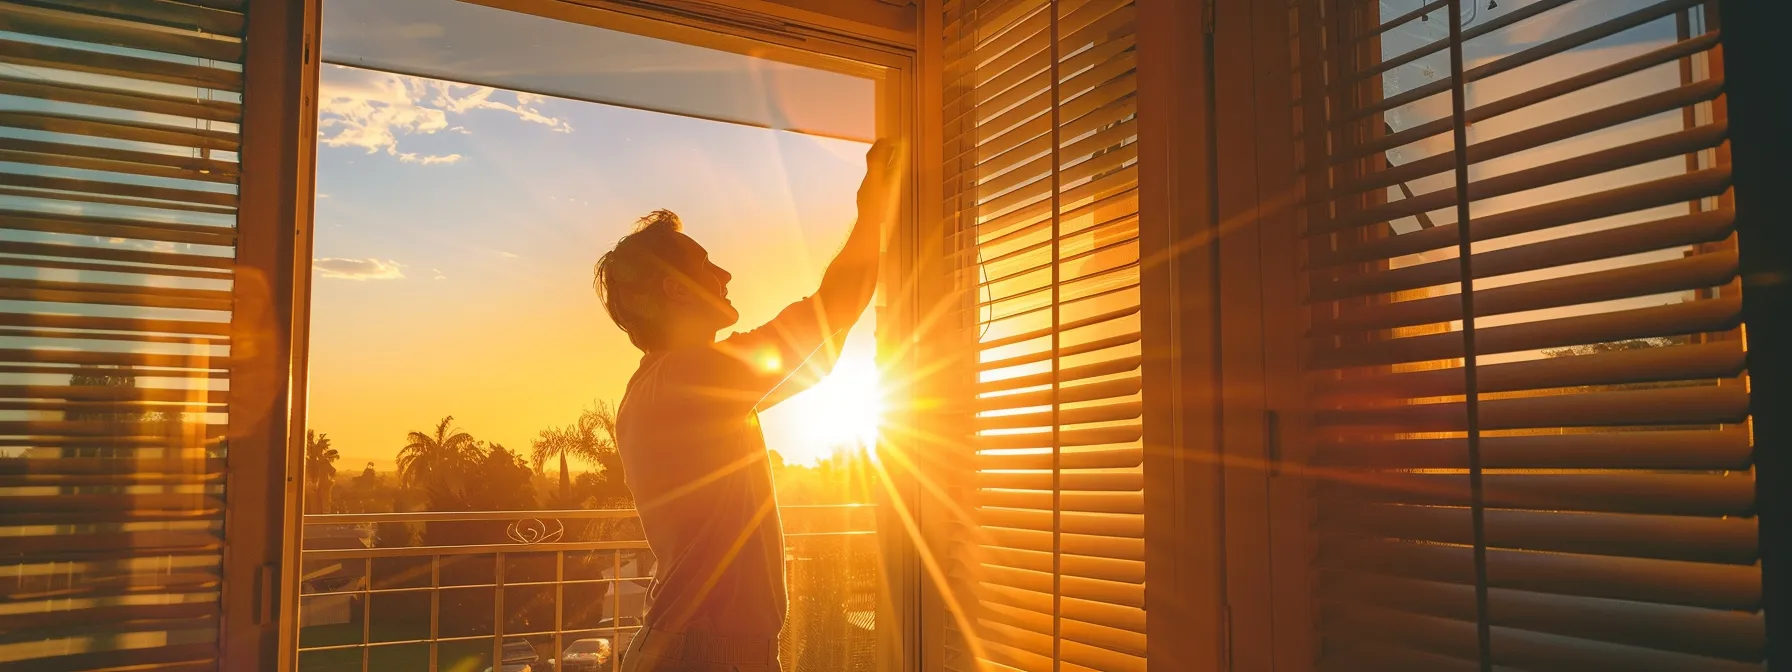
786 353
851 278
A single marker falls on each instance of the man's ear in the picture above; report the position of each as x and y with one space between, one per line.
675 288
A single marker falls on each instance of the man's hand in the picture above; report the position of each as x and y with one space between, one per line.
879 193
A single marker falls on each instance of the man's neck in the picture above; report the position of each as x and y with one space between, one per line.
691 339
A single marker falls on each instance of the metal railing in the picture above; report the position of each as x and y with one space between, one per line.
514 590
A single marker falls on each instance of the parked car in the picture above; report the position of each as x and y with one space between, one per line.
587 655
595 653
518 655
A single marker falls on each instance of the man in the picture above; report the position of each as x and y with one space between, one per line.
689 435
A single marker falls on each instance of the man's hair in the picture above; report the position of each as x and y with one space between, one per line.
630 275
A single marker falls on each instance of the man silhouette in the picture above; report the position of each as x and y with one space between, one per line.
688 428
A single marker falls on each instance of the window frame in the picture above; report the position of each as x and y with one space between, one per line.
294 53
1761 158
262 515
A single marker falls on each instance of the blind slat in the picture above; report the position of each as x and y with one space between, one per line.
1068 416
119 65
1070 543
108 159
1721 359
1112 501
1094 590
1101 458
1662 581
1704 227
1518 648
1656 148
1533 96
1685 449
115 227
1690 494
1691 317
159 12
1098 613
83 27
1065 438
1706 632
1703 404
1067 480
137 101
133 131
197 196
1544 134
1695 272
1696 539
1677 189
1072 522
1113 639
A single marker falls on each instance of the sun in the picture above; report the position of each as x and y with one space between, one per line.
841 412
850 404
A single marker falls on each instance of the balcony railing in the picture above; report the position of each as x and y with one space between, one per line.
549 590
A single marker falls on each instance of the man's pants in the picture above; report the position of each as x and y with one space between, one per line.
658 651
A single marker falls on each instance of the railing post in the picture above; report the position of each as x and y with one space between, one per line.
559 606
435 608
498 611
366 612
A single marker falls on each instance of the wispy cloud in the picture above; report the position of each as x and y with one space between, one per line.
359 269
438 273
480 98
508 255
375 110
429 160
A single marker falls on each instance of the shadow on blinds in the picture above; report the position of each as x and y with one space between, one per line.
1613 403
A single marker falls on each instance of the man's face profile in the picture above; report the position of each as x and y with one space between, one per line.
698 288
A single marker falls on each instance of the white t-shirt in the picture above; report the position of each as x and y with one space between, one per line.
695 458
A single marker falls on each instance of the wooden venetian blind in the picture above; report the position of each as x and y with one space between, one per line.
1042 193
1608 422
118 175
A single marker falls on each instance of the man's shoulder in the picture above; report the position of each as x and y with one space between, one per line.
681 361
674 375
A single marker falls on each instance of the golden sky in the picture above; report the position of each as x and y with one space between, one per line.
455 242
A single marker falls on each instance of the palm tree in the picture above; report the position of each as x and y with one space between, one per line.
431 459
600 420
553 443
320 468
591 438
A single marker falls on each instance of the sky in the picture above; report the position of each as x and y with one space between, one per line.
457 226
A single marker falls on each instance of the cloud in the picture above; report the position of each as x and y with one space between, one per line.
480 98
412 157
438 273
375 111
508 255
359 269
